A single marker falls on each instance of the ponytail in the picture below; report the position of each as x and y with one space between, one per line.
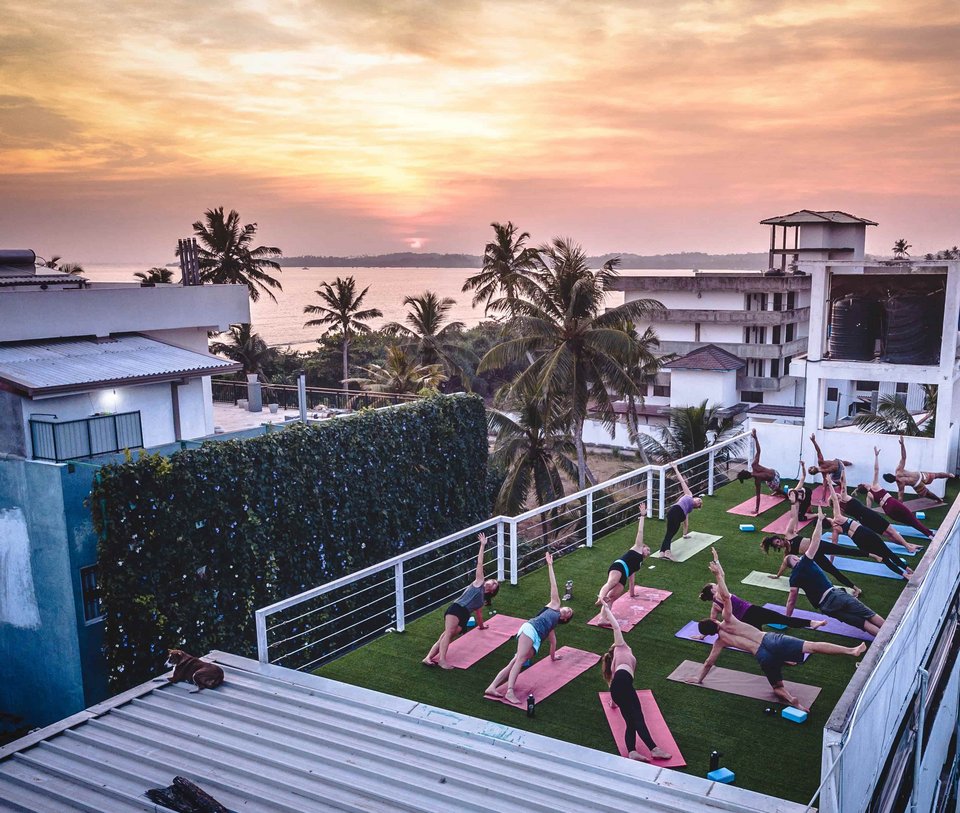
606 665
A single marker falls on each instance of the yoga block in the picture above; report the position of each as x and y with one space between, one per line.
793 715
471 622
920 515
777 626
746 527
724 775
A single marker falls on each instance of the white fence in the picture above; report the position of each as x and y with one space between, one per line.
869 717
318 625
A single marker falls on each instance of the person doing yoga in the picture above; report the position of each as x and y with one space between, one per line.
679 514
623 571
801 496
834 601
875 521
750 613
918 480
865 539
761 474
891 506
771 649
531 635
834 467
617 666
455 619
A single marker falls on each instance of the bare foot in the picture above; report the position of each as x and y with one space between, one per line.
659 753
859 650
510 697
817 624
665 554
638 756
911 548
491 691
428 662
444 665
876 558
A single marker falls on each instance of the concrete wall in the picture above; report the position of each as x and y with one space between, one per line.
12 440
692 387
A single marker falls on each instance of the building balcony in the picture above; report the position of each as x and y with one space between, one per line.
59 441
731 317
739 349
765 383
745 283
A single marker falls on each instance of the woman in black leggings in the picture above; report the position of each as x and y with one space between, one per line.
678 515
617 665
752 614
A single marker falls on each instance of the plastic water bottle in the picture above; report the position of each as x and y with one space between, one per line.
715 760
531 704
568 587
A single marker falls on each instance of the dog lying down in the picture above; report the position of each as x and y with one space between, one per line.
201 674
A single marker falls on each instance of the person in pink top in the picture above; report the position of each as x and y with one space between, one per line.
917 480
617 666
890 505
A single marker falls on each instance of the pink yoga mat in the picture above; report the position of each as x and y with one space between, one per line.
832 626
767 501
742 683
656 725
779 525
547 676
689 630
921 503
475 644
820 496
631 611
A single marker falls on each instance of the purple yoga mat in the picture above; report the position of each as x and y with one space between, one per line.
832 626
689 630
742 683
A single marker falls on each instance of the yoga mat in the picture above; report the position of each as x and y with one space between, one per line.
820 496
779 525
759 579
922 503
742 683
847 542
631 611
682 549
745 509
909 530
547 676
475 644
832 626
656 725
689 630
865 566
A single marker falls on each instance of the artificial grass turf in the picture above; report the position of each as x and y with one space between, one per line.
754 745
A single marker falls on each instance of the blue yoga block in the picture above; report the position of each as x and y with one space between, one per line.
745 527
793 715
471 622
724 775
920 515
777 626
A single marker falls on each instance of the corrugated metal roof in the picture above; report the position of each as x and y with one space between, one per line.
807 216
708 357
38 368
272 739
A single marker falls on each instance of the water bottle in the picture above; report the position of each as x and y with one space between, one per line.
715 760
569 590
531 704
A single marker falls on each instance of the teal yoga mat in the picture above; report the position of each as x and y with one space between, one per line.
847 542
907 530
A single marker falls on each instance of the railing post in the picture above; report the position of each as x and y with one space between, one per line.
398 590
500 551
261 621
710 463
649 499
590 520
918 747
663 493
513 552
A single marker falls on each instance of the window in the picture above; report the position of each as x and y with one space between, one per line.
696 331
902 388
790 332
774 368
778 302
661 391
786 364
832 393
751 397
756 302
791 301
90 592
868 386
755 367
754 334
776 334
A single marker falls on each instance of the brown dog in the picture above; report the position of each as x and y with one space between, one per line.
201 674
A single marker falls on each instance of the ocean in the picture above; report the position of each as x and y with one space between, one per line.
280 323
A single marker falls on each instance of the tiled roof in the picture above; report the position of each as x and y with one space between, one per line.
806 217
75 365
273 740
708 357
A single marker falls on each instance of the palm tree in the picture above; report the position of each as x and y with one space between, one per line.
67 268
581 354
155 275
642 367
533 447
431 341
400 373
691 429
505 260
226 255
893 418
246 347
900 249
341 311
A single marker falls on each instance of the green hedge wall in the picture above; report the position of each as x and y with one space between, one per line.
192 544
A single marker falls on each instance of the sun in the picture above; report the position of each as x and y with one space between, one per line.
415 242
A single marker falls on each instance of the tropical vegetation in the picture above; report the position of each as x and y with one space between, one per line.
506 261
900 249
400 373
246 347
155 275
892 417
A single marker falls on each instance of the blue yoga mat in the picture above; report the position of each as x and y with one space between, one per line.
847 542
866 566
907 530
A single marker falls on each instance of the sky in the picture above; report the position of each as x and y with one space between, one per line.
346 127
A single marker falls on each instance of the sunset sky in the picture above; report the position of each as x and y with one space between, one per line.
362 127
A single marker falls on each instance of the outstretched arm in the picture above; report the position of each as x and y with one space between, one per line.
638 542
683 483
876 468
709 662
554 602
791 601
478 578
803 475
816 446
903 456
834 499
814 546
722 592
607 613
756 447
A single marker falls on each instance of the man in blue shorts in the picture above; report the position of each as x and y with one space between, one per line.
771 649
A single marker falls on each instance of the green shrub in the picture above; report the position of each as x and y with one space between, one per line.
191 545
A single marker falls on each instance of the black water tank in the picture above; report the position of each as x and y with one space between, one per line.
912 328
854 328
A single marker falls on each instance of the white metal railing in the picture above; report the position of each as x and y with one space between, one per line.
319 624
856 751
